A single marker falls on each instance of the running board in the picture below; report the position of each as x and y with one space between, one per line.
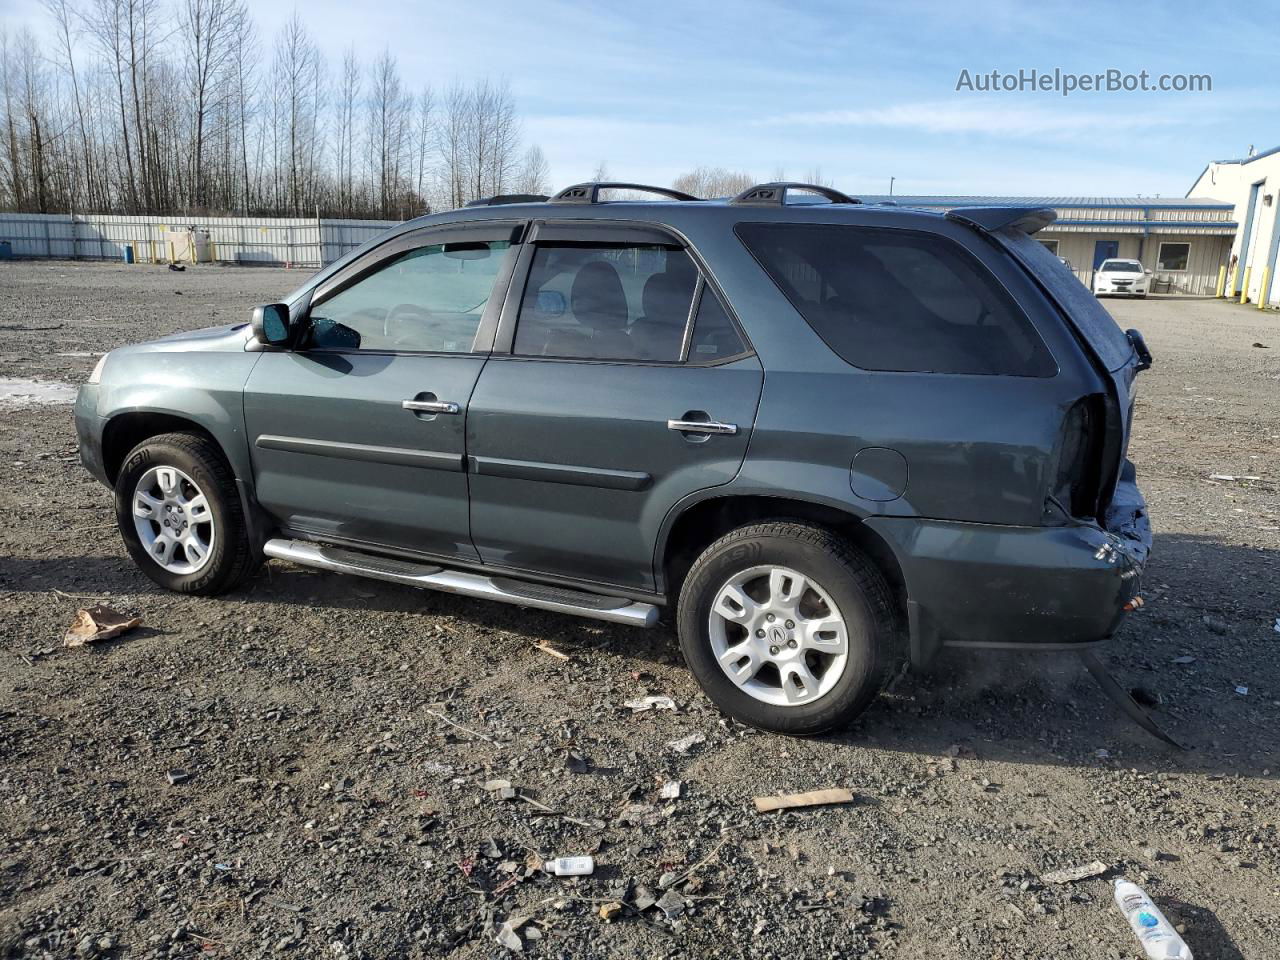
431 577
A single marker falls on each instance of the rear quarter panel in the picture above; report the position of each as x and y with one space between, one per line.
977 447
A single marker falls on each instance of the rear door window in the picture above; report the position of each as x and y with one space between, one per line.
900 300
622 302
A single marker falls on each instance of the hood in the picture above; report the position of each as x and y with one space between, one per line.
229 338
1121 274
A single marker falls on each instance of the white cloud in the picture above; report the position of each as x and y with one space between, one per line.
990 117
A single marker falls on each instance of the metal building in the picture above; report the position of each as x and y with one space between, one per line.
1249 184
1183 242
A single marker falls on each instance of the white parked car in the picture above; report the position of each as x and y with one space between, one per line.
1121 278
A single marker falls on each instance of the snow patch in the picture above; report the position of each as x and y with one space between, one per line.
17 392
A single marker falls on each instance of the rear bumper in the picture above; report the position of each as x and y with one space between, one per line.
1035 588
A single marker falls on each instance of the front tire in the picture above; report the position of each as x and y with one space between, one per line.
181 517
788 627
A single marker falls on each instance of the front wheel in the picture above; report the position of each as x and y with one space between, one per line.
180 515
788 627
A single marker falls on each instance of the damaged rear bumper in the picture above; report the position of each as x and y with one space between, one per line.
1042 588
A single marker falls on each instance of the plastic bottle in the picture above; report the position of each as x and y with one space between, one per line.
571 867
1159 940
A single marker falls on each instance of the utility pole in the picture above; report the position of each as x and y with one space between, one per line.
891 179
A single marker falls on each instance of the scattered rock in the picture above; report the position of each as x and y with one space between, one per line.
685 744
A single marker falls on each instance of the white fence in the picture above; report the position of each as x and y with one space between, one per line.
249 240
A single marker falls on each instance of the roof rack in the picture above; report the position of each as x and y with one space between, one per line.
590 192
775 194
507 198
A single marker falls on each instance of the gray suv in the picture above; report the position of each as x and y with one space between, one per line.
825 437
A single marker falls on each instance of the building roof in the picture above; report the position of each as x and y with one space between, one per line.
1138 203
1256 156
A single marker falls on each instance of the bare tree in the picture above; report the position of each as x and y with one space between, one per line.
424 138
208 29
387 127
708 182
298 70
348 94
162 106
535 174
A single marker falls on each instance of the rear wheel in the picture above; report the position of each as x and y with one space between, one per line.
788 627
180 515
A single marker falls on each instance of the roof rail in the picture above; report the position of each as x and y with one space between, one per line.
991 219
590 192
775 194
507 198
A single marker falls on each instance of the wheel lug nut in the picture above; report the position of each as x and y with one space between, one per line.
773 651
770 618
791 624
792 644
760 634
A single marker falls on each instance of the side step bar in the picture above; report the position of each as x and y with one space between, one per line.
431 577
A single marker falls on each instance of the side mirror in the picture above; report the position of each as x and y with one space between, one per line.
271 324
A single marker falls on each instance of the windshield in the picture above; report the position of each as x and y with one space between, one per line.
1121 266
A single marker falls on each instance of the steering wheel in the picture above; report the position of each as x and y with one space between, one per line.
407 323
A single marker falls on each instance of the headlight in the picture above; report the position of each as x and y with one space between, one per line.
96 376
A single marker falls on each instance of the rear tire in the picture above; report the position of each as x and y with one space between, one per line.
181 517
761 616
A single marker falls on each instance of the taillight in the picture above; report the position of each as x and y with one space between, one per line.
1076 475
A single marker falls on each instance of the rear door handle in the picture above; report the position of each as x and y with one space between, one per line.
431 406
703 426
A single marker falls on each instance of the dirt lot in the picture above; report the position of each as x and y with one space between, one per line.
337 733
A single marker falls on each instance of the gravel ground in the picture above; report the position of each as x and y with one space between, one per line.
335 736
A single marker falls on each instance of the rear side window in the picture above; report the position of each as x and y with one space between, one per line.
899 300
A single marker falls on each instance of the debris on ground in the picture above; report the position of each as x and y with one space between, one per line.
1242 690
1157 935
639 815
508 933
1074 874
1260 346
570 866
812 798
685 744
97 623
1231 478
643 704
1184 659
672 904
177 268
670 790
177 777
610 910
547 648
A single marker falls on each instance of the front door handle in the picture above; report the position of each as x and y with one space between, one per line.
431 406
703 426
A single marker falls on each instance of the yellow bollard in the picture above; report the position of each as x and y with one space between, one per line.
1222 281
171 251
1244 287
1231 284
1265 289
